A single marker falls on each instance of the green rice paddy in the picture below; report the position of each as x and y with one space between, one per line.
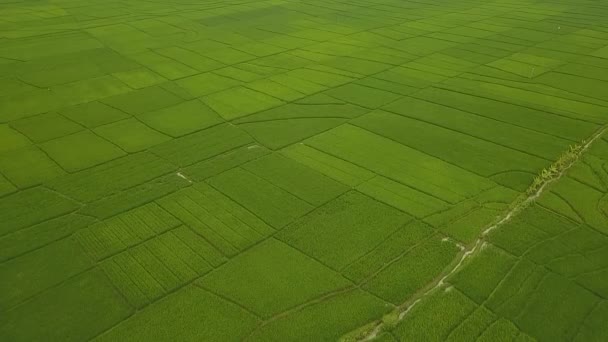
281 170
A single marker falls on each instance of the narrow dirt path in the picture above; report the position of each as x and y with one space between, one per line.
547 177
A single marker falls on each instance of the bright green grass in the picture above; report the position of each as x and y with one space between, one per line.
297 170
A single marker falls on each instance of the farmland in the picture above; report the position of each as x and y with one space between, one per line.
279 170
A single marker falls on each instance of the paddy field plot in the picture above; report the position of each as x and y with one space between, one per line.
303 170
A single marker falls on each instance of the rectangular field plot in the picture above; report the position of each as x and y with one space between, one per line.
572 108
83 306
410 200
436 317
354 222
271 203
465 220
390 250
28 207
216 218
537 297
405 275
404 164
201 145
588 203
179 315
181 119
119 175
483 273
290 123
324 321
6 187
239 101
333 167
32 273
67 153
521 116
224 162
26 167
272 277
121 232
93 114
134 196
363 96
144 100
280 133
527 141
302 181
131 135
150 270
45 127
41 234
479 156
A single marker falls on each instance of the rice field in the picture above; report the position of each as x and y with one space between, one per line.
280 170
